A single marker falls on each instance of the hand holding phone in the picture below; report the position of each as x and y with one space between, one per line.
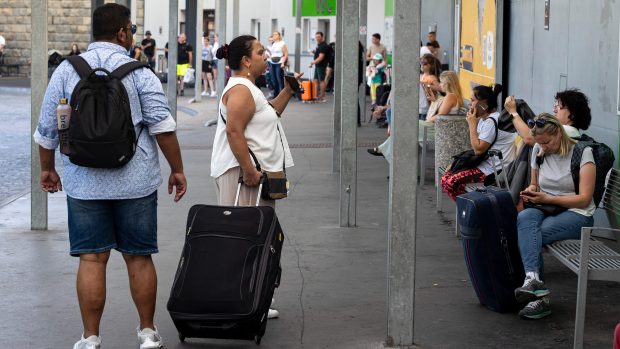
292 82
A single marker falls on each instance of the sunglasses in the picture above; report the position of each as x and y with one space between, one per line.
424 63
133 27
540 122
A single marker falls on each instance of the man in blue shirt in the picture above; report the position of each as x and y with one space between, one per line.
114 208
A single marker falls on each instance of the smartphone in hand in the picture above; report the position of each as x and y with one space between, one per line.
292 82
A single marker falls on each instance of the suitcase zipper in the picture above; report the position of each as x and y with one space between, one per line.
502 237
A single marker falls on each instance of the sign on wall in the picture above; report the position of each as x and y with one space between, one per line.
477 44
316 8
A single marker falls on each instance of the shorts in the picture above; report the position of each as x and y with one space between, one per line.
128 226
319 73
214 64
206 67
182 69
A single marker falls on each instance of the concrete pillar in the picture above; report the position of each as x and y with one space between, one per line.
298 37
38 83
220 24
337 88
133 7
190 27
198 52
348 107
235 19
403 186
363 40
173 47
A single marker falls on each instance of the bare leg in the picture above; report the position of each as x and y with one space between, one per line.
205 77
143 286
215 79
322 87
91 290
211 84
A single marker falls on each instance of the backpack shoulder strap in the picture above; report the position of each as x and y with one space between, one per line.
80 65
575 161
120 72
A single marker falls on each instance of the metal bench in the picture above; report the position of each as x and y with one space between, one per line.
603 262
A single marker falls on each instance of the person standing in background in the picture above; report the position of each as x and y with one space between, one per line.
279 56
184 61
207 70
149 47
2 45
214 47
320 62
375 47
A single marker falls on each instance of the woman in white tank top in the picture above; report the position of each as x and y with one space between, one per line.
247 119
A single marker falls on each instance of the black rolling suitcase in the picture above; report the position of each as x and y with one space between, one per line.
229 269
487 219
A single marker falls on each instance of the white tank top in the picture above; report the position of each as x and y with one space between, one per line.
276 49
263 133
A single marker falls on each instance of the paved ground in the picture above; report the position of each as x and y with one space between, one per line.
334 282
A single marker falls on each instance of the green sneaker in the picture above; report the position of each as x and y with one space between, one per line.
537 309
531 290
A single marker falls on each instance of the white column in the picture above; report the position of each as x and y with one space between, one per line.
403 184
38 83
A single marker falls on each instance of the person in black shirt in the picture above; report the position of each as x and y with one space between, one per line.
321 54
149 47
184 61
329 71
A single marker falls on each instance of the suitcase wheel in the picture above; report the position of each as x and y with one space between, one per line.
181 337
257 339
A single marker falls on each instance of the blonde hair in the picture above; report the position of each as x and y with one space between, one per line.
551 128
452 85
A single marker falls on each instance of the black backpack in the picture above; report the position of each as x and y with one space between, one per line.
101 133
604 159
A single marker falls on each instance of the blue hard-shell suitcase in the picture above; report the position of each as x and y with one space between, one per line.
487 221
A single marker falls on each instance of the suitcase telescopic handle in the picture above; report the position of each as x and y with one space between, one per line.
492 153
240 183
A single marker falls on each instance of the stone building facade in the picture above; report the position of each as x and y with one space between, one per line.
68 21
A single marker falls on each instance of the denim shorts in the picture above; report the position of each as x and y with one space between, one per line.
129 226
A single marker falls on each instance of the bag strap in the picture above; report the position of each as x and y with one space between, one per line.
122 71
252 153
496 132
80 65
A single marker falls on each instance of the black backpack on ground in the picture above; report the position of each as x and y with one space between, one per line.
101 133
604 159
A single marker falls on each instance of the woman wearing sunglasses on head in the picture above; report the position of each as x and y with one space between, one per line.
554 209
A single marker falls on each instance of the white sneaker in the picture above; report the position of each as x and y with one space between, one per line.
204 93
149 338
213 94
92 342
272 314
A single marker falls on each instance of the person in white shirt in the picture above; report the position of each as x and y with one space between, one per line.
2 44
551 183
277 62
247 122
484 135
214 47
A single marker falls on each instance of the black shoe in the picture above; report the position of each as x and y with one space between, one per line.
374 151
